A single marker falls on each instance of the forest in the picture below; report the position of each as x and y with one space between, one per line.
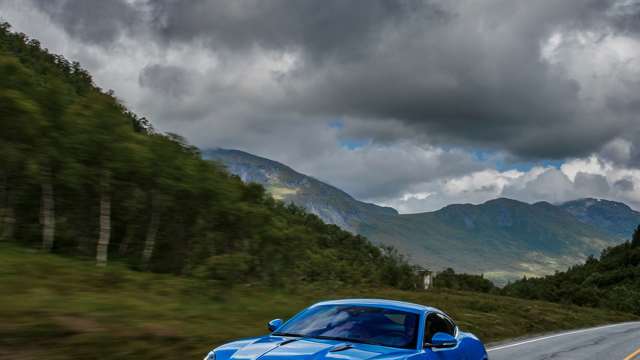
82 176
612 281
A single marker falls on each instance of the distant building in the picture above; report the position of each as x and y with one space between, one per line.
424 279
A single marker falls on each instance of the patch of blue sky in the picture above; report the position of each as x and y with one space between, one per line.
353 144
336 124
483 155
505 164
525 166
348 143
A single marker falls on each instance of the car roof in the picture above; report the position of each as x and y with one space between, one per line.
382 303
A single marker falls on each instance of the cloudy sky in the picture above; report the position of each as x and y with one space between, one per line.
413 104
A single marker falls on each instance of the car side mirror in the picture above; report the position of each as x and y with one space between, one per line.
274 324
442 340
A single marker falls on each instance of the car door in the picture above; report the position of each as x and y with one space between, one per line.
434 323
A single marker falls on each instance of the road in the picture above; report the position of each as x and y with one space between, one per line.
612 342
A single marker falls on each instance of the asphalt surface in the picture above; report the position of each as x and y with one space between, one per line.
612 342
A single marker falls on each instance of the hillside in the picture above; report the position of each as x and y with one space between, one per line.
612 281
65 308
611 216
502 238
331 204
505 239
83 176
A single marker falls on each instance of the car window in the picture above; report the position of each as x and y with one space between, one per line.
436 323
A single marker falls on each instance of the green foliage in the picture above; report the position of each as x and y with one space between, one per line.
227 268
468 282
635 241
612 282
188 215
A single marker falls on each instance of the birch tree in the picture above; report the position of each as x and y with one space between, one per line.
20 129
48 210
109 148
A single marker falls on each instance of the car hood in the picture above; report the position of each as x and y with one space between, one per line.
279 348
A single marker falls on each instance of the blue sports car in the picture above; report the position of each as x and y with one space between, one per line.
359 330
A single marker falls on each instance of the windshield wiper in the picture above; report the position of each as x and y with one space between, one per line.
287 334
345 339
326 338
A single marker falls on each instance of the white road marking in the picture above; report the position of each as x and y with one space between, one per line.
556 335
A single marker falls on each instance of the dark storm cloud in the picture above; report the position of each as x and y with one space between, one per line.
443 72
626 16
99 21
478 78
170 80
319 29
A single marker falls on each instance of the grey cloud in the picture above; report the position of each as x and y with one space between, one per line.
469 73
94 21
623 152
170 80
476 79
552 186
397 170
555 186
625 185
591 184
626 16
441 74
319 29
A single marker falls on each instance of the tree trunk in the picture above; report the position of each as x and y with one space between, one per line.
3 206
7 215
124 245
102 251
48 212
152 232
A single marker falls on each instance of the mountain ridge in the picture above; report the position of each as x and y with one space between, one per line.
503 238
330 203
616 217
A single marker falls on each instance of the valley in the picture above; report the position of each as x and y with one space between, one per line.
503 238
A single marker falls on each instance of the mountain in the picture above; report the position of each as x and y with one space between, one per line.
502 238
614 217
331 204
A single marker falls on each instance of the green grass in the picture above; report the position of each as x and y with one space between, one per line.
60 308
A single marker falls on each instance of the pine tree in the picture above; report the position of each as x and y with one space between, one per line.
635 241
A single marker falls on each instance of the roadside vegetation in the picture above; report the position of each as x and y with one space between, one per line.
57 307
449 279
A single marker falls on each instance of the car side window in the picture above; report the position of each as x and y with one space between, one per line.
436 323
451 327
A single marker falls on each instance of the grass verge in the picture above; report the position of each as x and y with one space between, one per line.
60 308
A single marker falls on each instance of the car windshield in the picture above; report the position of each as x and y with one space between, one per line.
369 325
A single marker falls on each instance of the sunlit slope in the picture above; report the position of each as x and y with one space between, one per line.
331 204
61 308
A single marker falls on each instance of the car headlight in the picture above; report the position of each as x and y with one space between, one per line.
210 356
